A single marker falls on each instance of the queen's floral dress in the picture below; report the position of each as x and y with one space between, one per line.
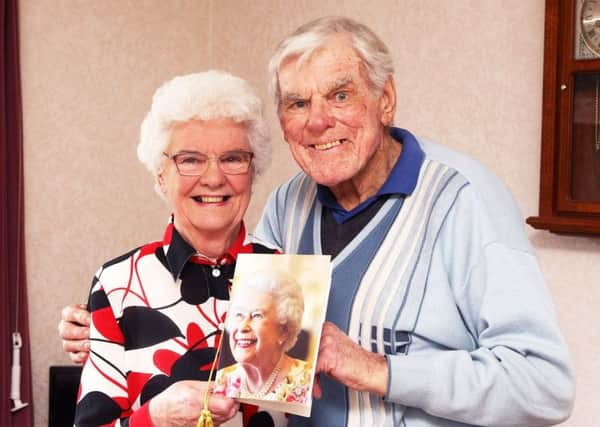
293 388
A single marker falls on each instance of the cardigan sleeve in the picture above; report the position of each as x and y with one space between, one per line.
518 371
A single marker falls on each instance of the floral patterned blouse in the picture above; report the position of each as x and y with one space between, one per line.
155 313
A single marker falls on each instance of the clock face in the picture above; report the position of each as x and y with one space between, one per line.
590 24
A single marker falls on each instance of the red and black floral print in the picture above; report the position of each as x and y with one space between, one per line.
155 314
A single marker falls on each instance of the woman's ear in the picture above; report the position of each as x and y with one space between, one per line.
283 337
160 179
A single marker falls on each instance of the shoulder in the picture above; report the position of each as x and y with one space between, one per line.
260 246
228 370
122 266
296 384
229 381
297 187
484 201
476 174
300 371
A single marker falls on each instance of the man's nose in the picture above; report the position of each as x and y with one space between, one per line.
320 117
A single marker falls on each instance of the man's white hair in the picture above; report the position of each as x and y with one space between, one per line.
209 95
375 55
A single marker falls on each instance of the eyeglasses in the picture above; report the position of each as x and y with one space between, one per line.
192 163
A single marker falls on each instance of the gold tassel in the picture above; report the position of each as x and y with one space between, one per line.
205 418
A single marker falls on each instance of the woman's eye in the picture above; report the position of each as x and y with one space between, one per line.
189 160
232 158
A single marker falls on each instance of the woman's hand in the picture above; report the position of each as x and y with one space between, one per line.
74 329
182 402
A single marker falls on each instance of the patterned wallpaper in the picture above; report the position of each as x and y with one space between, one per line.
468 74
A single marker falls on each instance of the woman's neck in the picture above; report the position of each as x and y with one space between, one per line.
211 245
261 379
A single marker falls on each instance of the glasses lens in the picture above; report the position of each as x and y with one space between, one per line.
235 162
190 163
230 162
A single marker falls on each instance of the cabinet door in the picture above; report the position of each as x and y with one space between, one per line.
570 169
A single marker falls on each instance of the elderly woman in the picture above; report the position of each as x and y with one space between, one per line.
263 323
156 310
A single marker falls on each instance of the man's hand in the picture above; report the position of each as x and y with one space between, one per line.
74 329
182 402
350 364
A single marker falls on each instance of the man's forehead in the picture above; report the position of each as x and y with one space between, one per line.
324 78
324 84
335 51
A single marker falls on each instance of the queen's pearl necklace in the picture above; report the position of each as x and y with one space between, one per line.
266 386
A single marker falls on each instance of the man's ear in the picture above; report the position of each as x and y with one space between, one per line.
387 102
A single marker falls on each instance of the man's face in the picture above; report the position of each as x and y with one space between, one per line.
331 119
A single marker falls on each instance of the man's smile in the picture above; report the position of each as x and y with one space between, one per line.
328 145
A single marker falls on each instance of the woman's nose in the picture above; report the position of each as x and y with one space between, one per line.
245 323
213 176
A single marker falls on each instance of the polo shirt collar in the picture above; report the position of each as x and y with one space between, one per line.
402 179
178 252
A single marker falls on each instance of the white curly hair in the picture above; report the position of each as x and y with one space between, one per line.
209 95
309 37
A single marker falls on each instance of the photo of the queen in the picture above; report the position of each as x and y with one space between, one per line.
268 355
263 323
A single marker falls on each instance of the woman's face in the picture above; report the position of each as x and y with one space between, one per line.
213 204
256 336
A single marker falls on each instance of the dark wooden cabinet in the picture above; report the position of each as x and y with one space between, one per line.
570 158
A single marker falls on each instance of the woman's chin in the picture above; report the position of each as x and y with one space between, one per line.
243 357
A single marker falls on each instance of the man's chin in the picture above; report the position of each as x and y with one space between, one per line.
330 180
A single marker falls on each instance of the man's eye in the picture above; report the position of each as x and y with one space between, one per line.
257 315
298 104
341 96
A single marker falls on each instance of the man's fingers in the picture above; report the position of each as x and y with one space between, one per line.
317 392
78 358
223 408
72 331
76 314
79 346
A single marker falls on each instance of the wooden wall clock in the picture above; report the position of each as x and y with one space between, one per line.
570 169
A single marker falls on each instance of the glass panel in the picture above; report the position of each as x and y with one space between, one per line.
585 179
590 13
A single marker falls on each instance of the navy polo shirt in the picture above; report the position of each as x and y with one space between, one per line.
402 179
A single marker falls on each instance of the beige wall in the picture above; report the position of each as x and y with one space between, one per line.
469 75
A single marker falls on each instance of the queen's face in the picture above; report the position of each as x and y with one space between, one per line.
213 204
331 118
256 336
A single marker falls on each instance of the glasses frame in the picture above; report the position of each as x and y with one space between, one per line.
216 158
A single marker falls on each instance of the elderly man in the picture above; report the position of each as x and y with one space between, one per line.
438 313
